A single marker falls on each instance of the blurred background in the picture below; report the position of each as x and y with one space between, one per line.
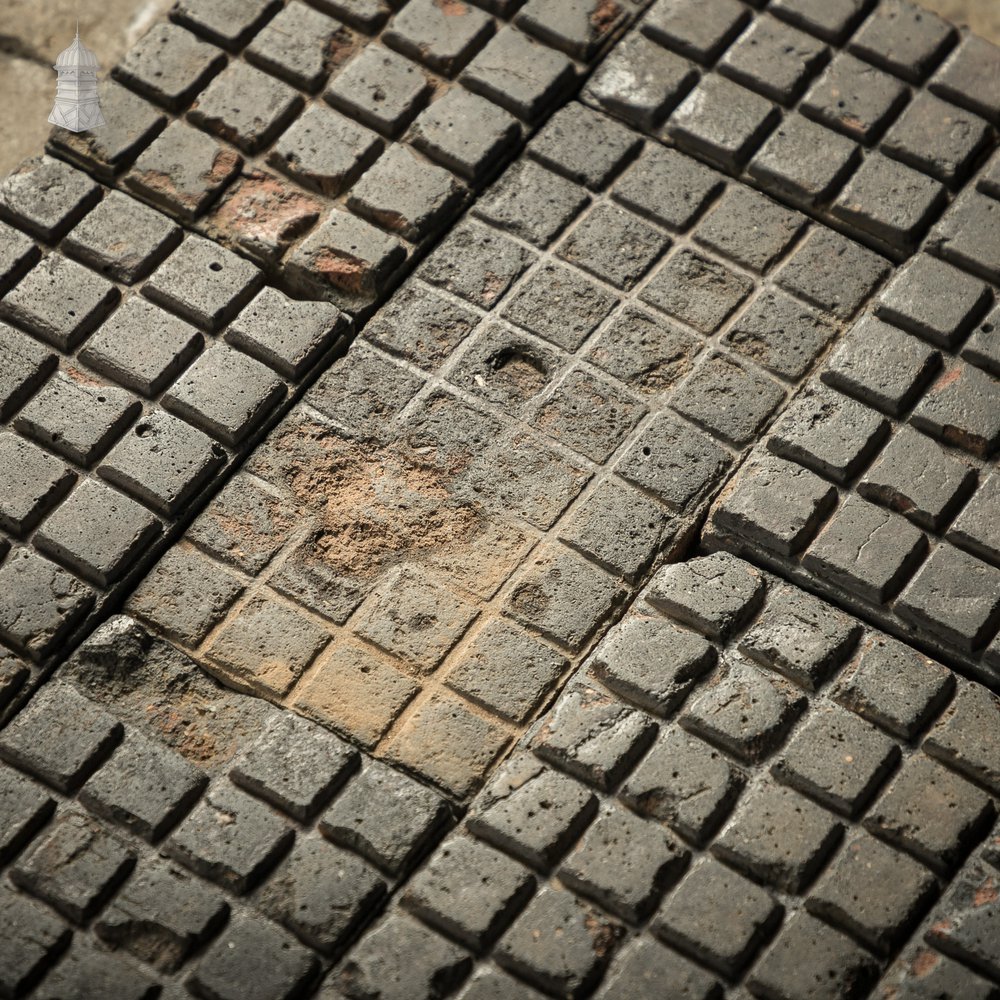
34 32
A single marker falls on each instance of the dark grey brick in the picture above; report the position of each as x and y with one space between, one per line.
627 880
778 837
472 262
696 290
640 81
678 464
643 966
24 808
800 636
400 960
830 433
18 252
700 32
866 550
837 968
295 765
576 27
76 868
31 938
60 301
253 960
881 366
60 737
87 971
145 787
469 891
931 813
837 759
379 88
385 816
966 929
465 133
969 77
321 893
904 39
35 482
39 602
204 283
532 812
722 122
531 202
183 171
77 417
714 594
161 915
717 917
559 943
918 478
831 21
587 147
962 408
593 736
229 23
804 162
169 65
744 710
226 393
967 235
490 983
97 532
874 893
975 529
443 39
983 345
246 107
46 197
895 686
367 15
230 838
405 195
506 670
890 202
686 783
299 44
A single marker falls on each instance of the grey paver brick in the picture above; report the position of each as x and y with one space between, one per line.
469 891
169 65
700 33
299 44
837 969
918 478
559 943
379 88
576 27
873 892
722 122
716 594
76 867
77 417
490 983
830 21
97 532
778 837
35 482
161 915
145 787
895 686
230 838
967 235
253 960
33 937
966 927
229 23
60 301
926 973
98 241
969 77
866 550
39 602
881 366
385 816
974 529
46 197
443 39
744 710
89 969
321 893
367 15
183 171
25 807
593 736
717 917
983 345
640 81
643 965
800 636
532 812
245 106
18 252
931 813
803 161
903 38
628 881
962 408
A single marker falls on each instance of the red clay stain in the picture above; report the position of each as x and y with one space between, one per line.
949 378
341 270
925 963
223 165
986 894
604 15
452 8
261 207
